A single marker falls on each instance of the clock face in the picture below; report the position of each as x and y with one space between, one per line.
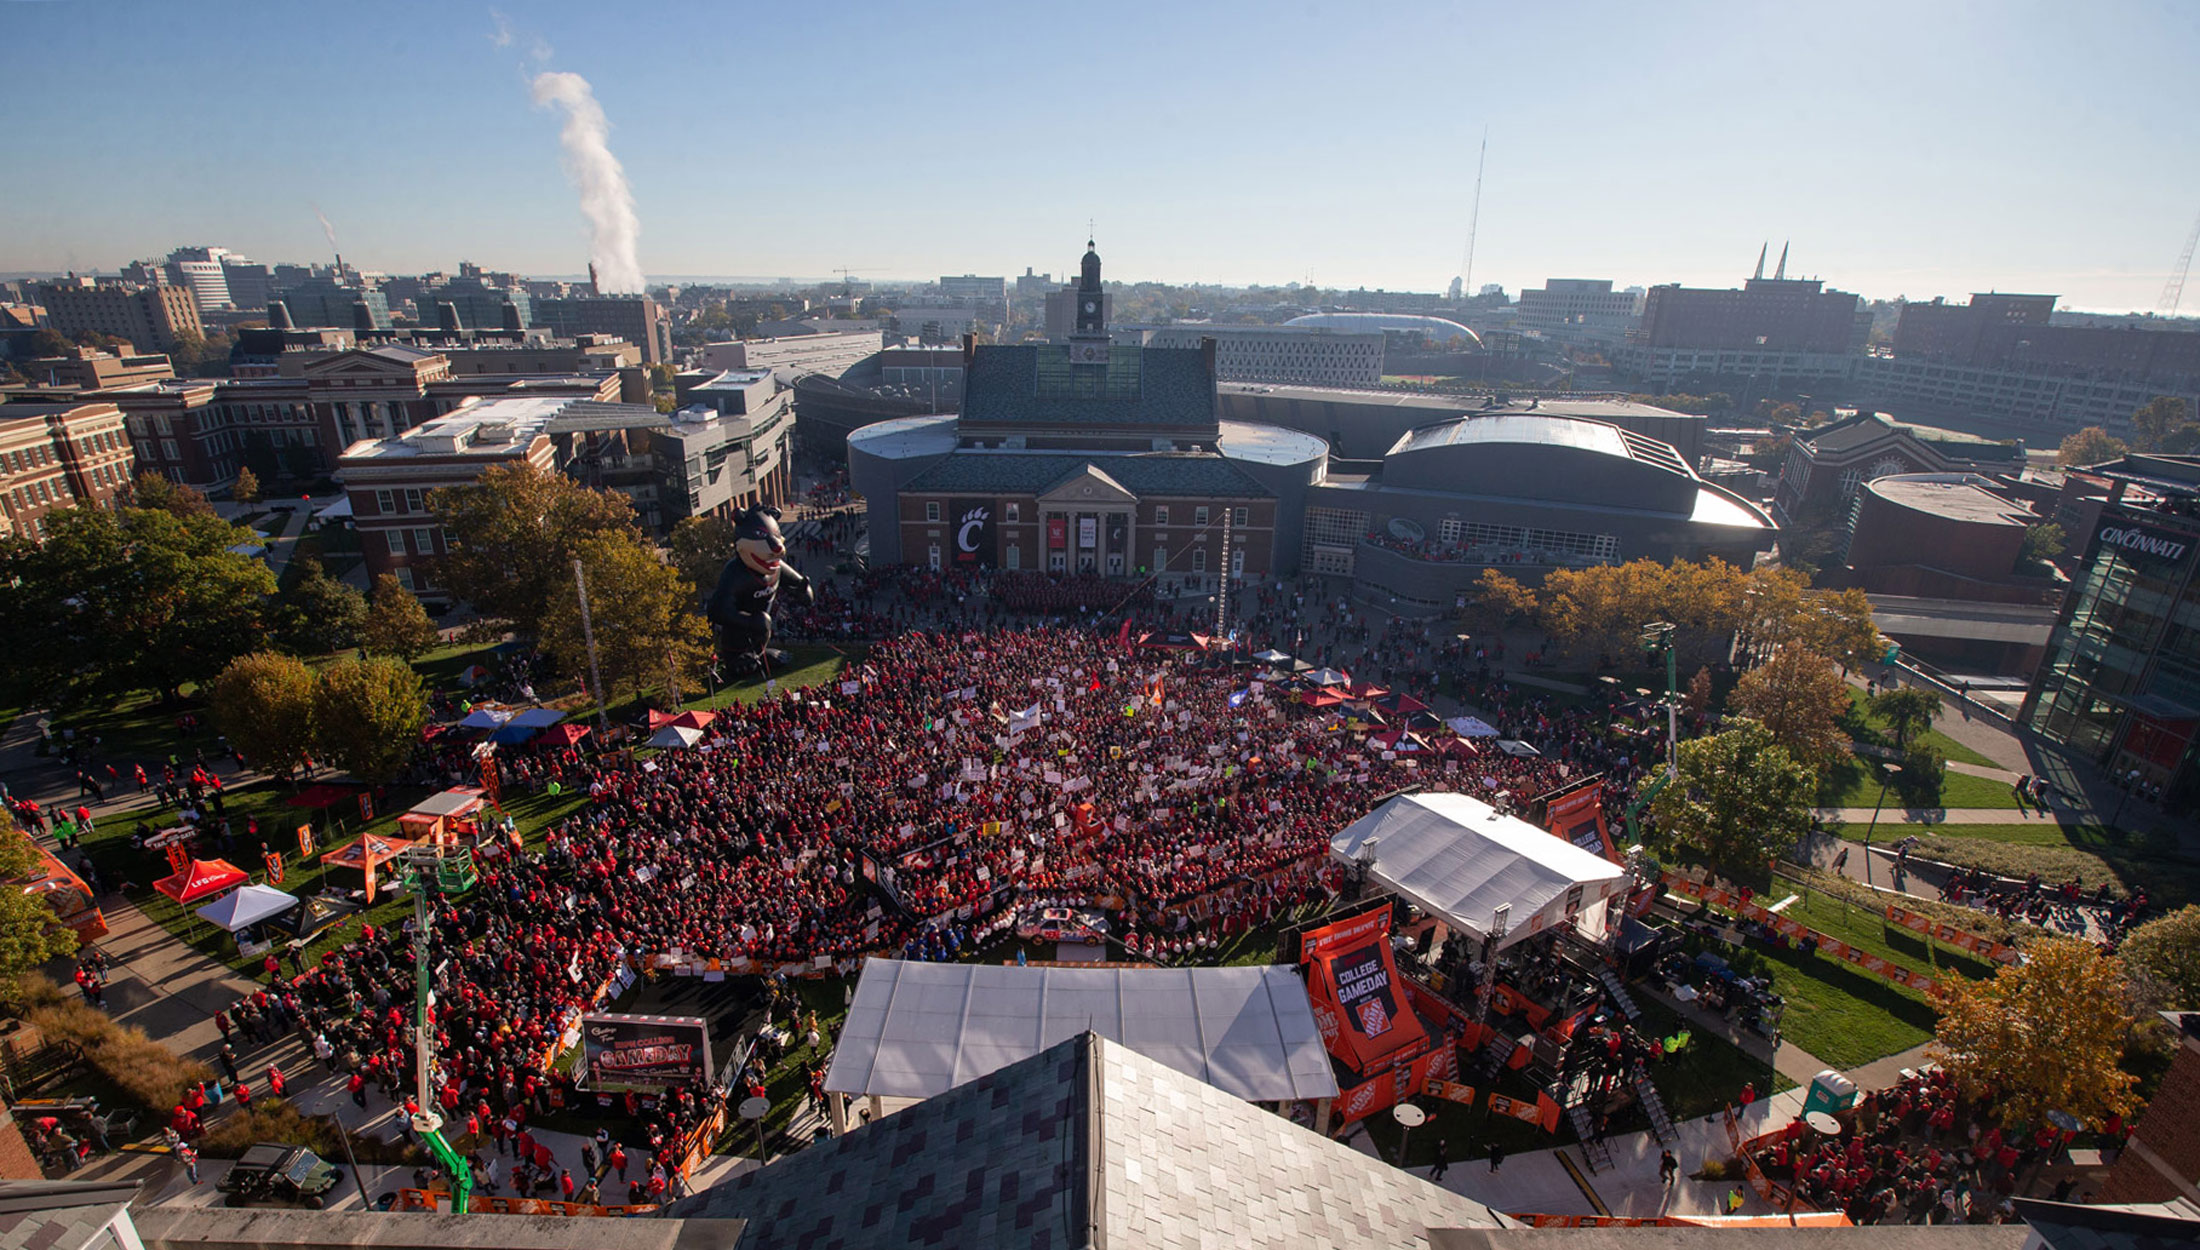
1090 306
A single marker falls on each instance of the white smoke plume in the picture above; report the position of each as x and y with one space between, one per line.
605 197
327 229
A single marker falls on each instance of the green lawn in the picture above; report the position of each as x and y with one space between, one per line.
1851 784
1838 1012
1871 729
2058 852
116 861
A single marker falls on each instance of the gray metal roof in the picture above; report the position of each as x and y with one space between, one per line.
1035 383
1086 1144
1166 473
917 1030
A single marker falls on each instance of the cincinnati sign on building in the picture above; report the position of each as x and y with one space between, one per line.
2143 540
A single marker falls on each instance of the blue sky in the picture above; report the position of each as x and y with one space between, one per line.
1905 148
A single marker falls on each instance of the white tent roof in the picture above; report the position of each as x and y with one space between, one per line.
1462 859
341 508
484 718
1471 727
248 906
675 736
920 1029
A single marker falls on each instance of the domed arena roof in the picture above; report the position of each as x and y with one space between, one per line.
1437 329
1537 456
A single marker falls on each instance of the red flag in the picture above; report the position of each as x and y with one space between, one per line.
1123 635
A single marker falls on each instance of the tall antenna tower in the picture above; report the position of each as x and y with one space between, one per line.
2173 291
1474 222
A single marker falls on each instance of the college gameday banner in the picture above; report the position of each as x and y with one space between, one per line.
1365 1018
619 1049
1450 1091
1401 1082
2000 952
1578 817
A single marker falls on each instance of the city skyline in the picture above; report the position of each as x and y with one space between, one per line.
1900 151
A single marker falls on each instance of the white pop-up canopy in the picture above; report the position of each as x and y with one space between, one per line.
1461 859
920 1029
247 906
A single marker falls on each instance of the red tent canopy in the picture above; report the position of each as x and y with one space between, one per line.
1323 698
205 878
1366 690
695 719
1402 703
564 735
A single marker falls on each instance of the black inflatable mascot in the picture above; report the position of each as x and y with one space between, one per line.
740 608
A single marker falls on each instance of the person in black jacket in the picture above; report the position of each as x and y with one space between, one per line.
740 607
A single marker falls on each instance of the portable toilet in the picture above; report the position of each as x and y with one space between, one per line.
1829 1092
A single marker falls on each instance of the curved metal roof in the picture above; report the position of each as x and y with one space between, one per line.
1438 328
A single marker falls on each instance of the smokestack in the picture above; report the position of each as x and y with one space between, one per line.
1207 356
278 316
511 319
362 317
593 289
446 317
970 351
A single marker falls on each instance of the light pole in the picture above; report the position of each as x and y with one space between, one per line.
1887 773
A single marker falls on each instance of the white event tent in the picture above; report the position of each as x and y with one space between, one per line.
247 906
917 1029
1460 859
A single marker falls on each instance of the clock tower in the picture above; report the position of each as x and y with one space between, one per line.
1089 341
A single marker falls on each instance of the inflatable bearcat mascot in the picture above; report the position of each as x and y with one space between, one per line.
740 608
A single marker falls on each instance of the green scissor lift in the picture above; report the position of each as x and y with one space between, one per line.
435 870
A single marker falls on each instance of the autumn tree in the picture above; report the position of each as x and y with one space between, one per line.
396 624
2044 1035
368 715
319 614
30 933
1739 798
2042 543
247 489
1500 600
2091 445
646 629
265 703
1799 698
1697 698
2162 957
1906 710
513 534
175 498
2160 424
700 546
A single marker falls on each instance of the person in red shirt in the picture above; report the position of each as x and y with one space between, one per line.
276 1084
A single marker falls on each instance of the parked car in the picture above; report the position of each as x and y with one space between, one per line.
288 1175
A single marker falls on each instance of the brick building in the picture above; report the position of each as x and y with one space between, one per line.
1826 465
1081 457
155 317
60 456
2161 1162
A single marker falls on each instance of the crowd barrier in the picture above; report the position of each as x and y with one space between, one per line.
492 1204
1977 944
1796 930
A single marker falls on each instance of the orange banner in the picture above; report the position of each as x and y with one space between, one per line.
1977 944
1796 930
1365 1018
1450 1091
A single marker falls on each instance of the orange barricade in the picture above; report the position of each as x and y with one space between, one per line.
487 1204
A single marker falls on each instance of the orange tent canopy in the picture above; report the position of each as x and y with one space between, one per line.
369 851
205 878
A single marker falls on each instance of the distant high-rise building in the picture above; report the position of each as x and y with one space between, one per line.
251 284
154 317
988 297
325 301
1777 331
638 319
1578 311
200 270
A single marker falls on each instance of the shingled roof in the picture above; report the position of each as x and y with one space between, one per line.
1087 1145
1198 475
1035 384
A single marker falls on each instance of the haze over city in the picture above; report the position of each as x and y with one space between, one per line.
1904 149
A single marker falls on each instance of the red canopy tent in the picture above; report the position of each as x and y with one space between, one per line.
1402 703
1322 698
564 735
1366 690
203 879
366 854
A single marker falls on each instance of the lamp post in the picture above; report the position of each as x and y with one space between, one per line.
1887 773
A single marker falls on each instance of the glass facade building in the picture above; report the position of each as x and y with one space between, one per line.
2120 683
